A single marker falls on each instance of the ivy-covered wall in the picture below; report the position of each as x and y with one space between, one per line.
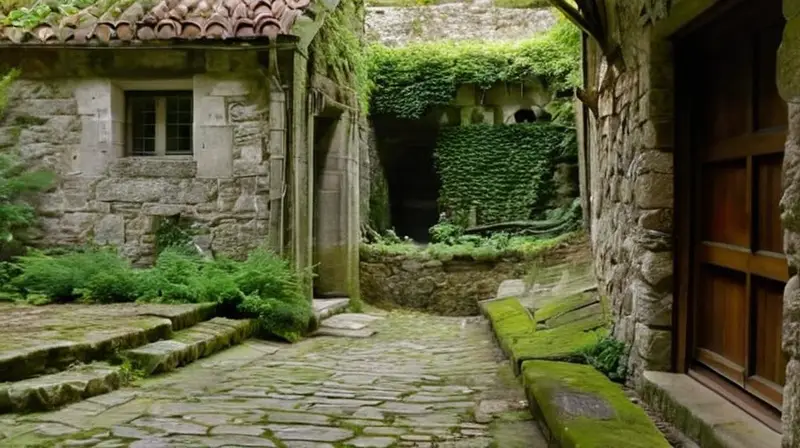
503 173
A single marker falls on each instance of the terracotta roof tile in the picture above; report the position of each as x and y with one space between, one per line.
167 20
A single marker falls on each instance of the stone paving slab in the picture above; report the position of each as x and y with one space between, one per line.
37 340
52 391
417 382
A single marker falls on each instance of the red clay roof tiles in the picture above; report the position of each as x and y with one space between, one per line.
167 20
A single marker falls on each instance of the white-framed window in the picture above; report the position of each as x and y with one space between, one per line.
159 123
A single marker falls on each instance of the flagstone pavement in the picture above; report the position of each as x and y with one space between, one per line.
420 380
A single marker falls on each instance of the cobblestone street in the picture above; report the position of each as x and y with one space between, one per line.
420 381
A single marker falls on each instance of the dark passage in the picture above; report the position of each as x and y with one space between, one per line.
406 150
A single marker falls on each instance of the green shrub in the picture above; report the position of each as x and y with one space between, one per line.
66 278
609 356
263 287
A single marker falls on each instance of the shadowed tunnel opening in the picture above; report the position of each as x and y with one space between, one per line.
406 150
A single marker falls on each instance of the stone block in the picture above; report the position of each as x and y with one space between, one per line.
656 269
213 150
654 190
650 307
241 111
210 111
789 59
155 209
246 168
569 396
153 167
137 190
229 87
110 230
654 347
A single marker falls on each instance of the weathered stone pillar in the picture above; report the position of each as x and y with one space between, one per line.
336 226
789 86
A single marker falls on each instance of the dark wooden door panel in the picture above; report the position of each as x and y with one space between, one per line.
737 133
725 191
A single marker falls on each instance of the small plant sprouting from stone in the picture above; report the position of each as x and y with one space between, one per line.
172 231
610 357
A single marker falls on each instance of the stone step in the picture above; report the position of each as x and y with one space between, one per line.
52 391
325 308
188 345
348 325
138 324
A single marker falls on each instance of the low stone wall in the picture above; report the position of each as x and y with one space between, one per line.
451 288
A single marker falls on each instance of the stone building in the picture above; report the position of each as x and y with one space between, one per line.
693 186
212 113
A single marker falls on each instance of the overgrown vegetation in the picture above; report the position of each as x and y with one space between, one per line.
466 247
610 357
410 80
17 184
263 286
504 173
340 49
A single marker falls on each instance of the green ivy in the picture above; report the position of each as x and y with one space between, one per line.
504 172
340 48
410 80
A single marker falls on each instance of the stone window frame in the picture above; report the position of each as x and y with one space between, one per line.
154 87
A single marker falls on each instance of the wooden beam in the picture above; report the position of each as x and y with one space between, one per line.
575 16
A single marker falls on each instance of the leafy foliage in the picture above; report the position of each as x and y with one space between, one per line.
340 49
17 183
468 247
505 172
410 80
610 357
263 287
65 278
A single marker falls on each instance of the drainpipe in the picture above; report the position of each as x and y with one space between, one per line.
585 150
277 154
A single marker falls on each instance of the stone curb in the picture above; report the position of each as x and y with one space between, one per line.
52 391
577 406
517 334
189 345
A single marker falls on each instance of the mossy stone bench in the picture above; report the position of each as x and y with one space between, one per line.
584 409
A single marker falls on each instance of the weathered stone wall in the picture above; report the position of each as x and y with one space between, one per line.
631 177
789 85
76 127
451 288
455 21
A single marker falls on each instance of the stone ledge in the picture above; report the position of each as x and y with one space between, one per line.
189 345
702 414
582 408
521 341
52 391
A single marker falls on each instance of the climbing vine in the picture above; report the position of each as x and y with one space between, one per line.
410 80
340 48
504 173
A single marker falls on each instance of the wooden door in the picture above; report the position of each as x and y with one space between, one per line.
737 133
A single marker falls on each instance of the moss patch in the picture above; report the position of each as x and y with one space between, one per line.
559 307
585 409
517 335
511 322
565 342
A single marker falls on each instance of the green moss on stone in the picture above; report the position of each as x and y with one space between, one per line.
562 306
563 342
511 322
598 414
